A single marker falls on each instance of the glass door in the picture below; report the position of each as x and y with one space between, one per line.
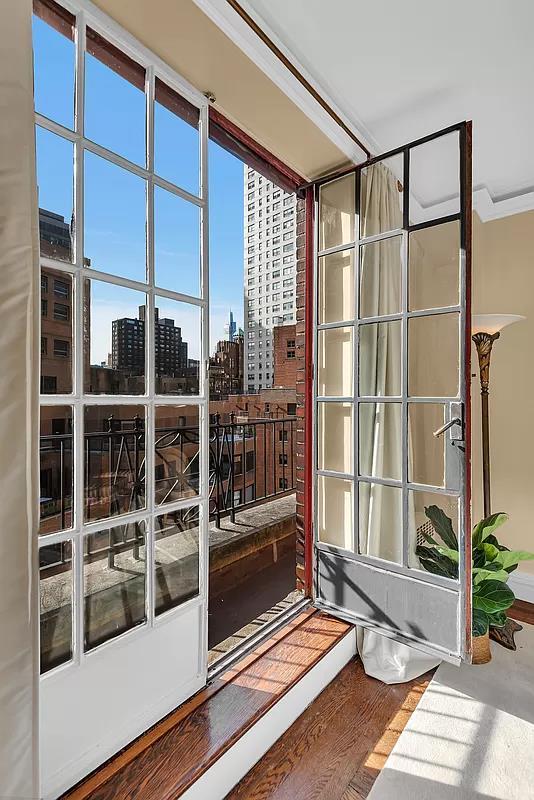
392 348
123 541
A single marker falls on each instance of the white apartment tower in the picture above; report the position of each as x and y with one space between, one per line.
269 273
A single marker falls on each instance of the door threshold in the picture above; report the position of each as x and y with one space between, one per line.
204 747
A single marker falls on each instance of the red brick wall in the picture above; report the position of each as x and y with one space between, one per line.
285 365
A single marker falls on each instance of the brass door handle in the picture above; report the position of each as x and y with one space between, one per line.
440 431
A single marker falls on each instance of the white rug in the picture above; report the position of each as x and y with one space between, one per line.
472 734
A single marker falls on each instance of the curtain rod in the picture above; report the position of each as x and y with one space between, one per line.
294 71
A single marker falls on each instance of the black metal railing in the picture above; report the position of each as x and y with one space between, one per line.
250 461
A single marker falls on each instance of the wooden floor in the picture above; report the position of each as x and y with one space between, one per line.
522 611
164 762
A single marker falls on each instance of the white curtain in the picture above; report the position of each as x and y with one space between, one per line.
380 518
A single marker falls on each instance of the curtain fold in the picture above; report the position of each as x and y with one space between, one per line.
380 432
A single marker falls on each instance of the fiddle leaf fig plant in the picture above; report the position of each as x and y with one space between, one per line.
491 566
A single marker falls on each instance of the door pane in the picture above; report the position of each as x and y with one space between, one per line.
177 243
114 563
115 219
434 266
55 176
336 212
53 63
177 456
177 343
115 103
380 515
433 355
335 301
176 139
426 456
381 197
55 600
114 457
176 558
56 331
380 277
335 362
335 437
380 359
335 511
55 468
114 339
420 527
380 440
435 178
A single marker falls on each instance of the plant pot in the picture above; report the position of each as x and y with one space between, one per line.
481 649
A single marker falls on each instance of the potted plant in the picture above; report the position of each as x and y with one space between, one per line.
492 564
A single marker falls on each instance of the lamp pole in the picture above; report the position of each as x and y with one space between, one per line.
484 343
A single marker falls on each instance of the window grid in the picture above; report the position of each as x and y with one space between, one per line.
78 400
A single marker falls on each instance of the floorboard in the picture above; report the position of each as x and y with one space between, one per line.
522 611
337 747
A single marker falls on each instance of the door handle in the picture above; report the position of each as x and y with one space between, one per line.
441 431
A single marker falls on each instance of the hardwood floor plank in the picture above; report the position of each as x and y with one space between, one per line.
168 759
337 747
522 611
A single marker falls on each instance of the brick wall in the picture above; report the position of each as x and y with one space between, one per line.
285 362
300 329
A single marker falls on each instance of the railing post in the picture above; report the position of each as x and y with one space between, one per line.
218 470
232 466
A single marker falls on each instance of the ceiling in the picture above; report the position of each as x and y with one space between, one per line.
398 71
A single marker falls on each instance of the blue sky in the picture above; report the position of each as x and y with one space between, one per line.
115 199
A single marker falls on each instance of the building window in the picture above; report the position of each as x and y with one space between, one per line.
282 459
48 384
61 312
291 409
44 345
44 308
61 288
44 283
283 483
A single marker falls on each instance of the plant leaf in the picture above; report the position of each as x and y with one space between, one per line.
480 622
491 596
498 620
486 527
480 574
434 562
490 551
442 524
452 554
511 558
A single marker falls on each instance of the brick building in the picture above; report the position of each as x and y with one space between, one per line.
226 368
284 356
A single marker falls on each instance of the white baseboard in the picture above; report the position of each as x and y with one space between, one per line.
228 770
522 585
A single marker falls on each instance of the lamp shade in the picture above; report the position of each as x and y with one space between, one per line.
493 323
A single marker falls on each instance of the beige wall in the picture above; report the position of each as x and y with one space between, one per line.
503 281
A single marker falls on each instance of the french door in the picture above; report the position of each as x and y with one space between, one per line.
123 543
391 400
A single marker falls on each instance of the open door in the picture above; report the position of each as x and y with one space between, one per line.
391 393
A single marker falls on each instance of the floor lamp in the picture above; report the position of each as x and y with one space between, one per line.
486 328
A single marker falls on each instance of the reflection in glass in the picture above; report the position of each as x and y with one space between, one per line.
434 266
114 219
53 63
114 99
55 602
334 437
55 174
435 178
114 339
380 513
177 456
336 287
336 212
335 511
380 277
114 567
433 353
426 456
56 332
176 139
379 439
176 558
420 526
114 458
334 362
55 468
177 343
380 359
381 197
176 243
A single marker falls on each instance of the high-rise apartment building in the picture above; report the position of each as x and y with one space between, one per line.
269 273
